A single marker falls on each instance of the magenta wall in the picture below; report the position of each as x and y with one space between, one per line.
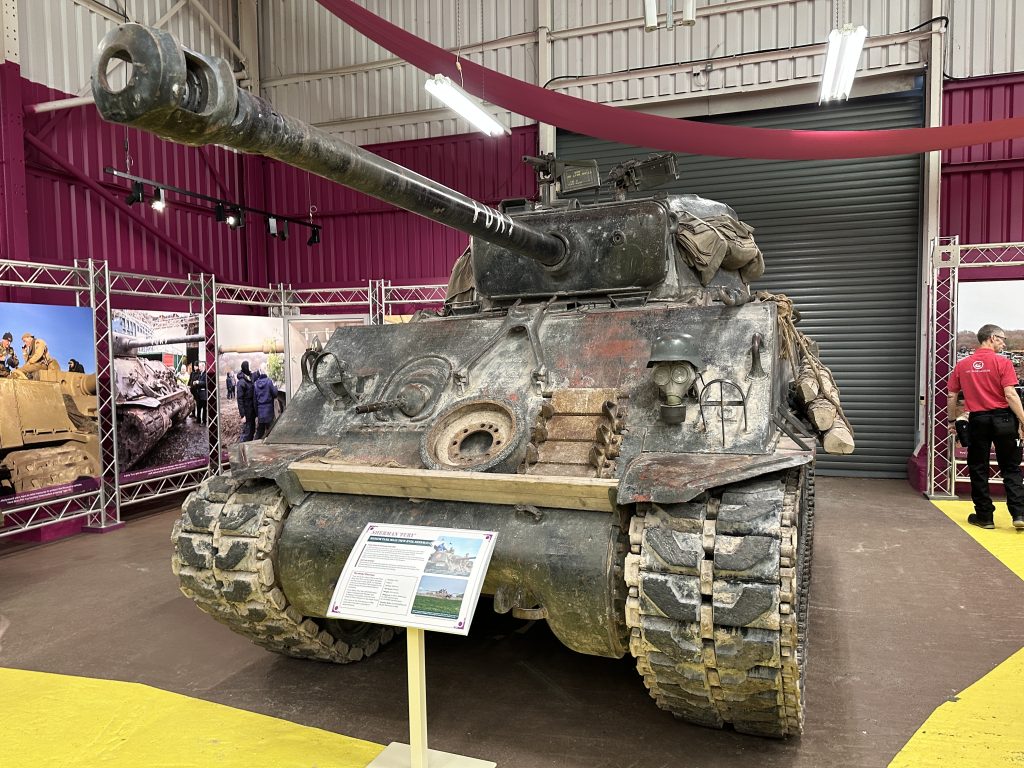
361 237
67 221
983 186
364 238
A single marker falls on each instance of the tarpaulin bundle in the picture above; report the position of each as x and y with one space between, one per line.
612 123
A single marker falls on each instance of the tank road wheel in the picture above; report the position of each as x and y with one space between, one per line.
44 467
225 552
717 603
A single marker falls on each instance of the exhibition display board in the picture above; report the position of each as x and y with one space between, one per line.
130 428
421 578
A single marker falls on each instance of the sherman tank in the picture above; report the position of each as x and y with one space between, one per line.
48 431
150 401
603 389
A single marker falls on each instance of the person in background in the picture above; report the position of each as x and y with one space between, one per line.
37 356
230 384
265 394
244 397
75 367
996 417
8 358
197 385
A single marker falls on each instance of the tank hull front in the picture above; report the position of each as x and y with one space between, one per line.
567 562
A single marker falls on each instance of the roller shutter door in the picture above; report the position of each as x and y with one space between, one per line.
841 238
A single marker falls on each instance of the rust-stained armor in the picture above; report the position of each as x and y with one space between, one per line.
602 389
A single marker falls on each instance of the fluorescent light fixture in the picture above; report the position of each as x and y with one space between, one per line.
158 204
445 90
650 15
844 47
687 12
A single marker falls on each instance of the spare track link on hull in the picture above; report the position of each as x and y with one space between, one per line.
225 551
717 603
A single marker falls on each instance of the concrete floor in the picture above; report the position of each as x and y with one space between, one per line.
906 610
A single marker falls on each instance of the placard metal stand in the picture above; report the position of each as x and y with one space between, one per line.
415 754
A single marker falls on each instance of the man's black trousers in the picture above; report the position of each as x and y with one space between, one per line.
999 429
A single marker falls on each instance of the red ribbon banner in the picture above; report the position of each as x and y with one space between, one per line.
673 135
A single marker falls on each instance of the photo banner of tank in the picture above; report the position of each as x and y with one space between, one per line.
680 490
48 435
150 401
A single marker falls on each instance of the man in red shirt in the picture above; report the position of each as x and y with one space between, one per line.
987 380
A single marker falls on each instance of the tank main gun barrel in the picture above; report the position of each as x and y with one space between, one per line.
190 98
125 345
268 347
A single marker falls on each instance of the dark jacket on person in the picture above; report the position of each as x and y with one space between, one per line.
197 383
244 395
265 394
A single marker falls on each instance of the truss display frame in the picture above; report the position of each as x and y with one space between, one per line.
417 295
190 292
94 285
948 258
86 279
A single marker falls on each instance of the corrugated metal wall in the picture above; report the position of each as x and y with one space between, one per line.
59 38
68 222
984 37
320 70
364 238
733 46
983 186
768 52
841 238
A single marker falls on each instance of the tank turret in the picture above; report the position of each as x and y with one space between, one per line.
620 247
603 390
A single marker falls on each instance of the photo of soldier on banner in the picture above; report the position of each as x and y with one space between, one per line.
251 376
48 408
160 393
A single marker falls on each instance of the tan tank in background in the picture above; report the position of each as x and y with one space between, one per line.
48 432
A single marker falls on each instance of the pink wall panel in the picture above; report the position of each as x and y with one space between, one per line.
362 238
67 221
983 185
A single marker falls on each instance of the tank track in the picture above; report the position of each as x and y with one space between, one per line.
34 468
717 605
225 550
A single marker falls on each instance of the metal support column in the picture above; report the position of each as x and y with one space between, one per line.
208 327
948 258
109 516
376 298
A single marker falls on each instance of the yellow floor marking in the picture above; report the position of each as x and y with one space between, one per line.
979 729
78 722
1005 543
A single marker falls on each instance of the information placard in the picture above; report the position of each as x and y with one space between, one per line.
414 576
